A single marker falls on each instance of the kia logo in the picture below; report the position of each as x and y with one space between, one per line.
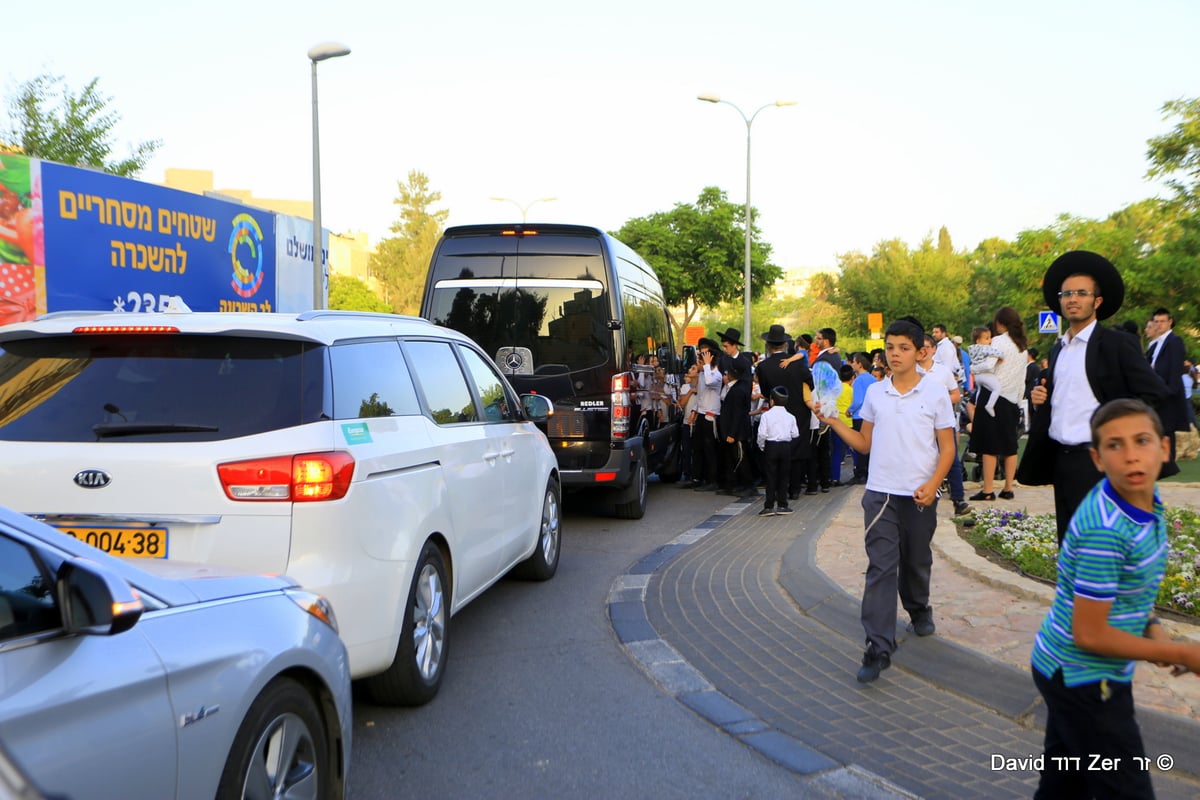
92 478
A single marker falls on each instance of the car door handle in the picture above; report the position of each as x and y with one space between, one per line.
508 453
491 458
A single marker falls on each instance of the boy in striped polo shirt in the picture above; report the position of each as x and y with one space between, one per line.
1109 570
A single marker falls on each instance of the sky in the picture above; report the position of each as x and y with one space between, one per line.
985 118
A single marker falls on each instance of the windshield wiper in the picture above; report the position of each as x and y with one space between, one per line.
107 430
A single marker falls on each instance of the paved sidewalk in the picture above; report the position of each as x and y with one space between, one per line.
753 623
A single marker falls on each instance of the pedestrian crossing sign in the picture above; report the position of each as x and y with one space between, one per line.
1048 322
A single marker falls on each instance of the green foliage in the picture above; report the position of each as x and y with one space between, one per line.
1176 155
52 123
401 262
699 253
351 294
1030 543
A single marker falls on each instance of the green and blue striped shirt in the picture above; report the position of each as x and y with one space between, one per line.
1112 552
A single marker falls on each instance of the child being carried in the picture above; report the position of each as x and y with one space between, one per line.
984 359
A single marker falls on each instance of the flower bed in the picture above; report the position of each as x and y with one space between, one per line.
1029 543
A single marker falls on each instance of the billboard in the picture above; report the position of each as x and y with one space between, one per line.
116 244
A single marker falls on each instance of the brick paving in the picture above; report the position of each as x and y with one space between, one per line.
753 623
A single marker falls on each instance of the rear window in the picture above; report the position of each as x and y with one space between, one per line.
169 388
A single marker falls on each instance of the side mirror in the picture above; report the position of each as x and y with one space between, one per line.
689 357
94 601
537 407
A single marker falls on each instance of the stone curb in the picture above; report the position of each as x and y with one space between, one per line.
627 614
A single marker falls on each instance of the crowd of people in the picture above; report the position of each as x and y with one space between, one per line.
1100 415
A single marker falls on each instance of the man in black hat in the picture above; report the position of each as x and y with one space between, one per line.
796 379
730 352
1089 366
734 427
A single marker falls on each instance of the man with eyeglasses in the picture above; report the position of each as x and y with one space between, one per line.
1089 366
1165 354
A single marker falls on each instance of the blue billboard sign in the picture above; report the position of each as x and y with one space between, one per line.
116 244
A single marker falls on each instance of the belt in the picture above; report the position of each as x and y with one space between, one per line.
1073 448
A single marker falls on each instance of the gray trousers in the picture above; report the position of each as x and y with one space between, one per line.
899 560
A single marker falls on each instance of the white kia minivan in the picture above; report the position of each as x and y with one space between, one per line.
380 460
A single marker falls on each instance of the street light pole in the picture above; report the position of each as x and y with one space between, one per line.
319 52
712 98
524 208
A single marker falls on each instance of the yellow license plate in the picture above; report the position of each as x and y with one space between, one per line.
128 542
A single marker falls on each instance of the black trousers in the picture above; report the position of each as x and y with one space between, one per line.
735 460
819 466
704 450
1074 477
1082 722
777 468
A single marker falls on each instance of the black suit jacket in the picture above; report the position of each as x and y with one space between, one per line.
794 378
735 412
1115 368
1169 367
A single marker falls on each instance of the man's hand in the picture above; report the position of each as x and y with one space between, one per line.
1039 394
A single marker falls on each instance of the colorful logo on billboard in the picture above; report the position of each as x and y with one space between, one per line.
246 238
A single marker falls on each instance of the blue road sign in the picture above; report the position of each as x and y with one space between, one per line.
1047 322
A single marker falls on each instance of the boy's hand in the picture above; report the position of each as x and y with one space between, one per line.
926 493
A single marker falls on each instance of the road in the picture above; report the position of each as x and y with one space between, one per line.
540 699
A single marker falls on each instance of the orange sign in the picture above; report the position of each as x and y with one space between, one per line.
875 322
693 334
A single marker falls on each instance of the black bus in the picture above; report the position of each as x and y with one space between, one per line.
569 312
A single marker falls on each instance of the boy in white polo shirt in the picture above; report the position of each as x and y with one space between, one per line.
908 428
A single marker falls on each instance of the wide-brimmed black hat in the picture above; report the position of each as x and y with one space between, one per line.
776 335
1109 285
731 335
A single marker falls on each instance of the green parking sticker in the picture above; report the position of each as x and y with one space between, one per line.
356 433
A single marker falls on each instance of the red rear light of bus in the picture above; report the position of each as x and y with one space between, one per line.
622 405
309 477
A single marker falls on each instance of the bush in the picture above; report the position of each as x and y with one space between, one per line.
1029 542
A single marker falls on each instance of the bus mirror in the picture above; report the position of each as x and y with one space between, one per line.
689 357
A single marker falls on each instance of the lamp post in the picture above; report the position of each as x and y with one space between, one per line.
712 98
524 208
319 52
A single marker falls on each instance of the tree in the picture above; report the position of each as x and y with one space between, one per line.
1179 152
699 253
351 294
401 262
52 123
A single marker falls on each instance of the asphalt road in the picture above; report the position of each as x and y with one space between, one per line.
540 699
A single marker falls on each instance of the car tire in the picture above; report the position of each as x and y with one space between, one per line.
284 715
542 565
416 673
631 504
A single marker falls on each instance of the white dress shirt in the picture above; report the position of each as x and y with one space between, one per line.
1072 402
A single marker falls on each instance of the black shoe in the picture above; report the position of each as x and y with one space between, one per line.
793 495
922 623
983 496
748 491
835 483
872 664
824 490
961 507
1007 495
766 512
785 510
706 487
810 491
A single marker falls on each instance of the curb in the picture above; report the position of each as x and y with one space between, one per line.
627 613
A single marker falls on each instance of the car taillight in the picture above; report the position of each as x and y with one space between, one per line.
622 405
308 477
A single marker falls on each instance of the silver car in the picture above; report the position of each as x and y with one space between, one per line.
165 679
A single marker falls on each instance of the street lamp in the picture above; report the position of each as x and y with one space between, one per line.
712 98
524 208
319 52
